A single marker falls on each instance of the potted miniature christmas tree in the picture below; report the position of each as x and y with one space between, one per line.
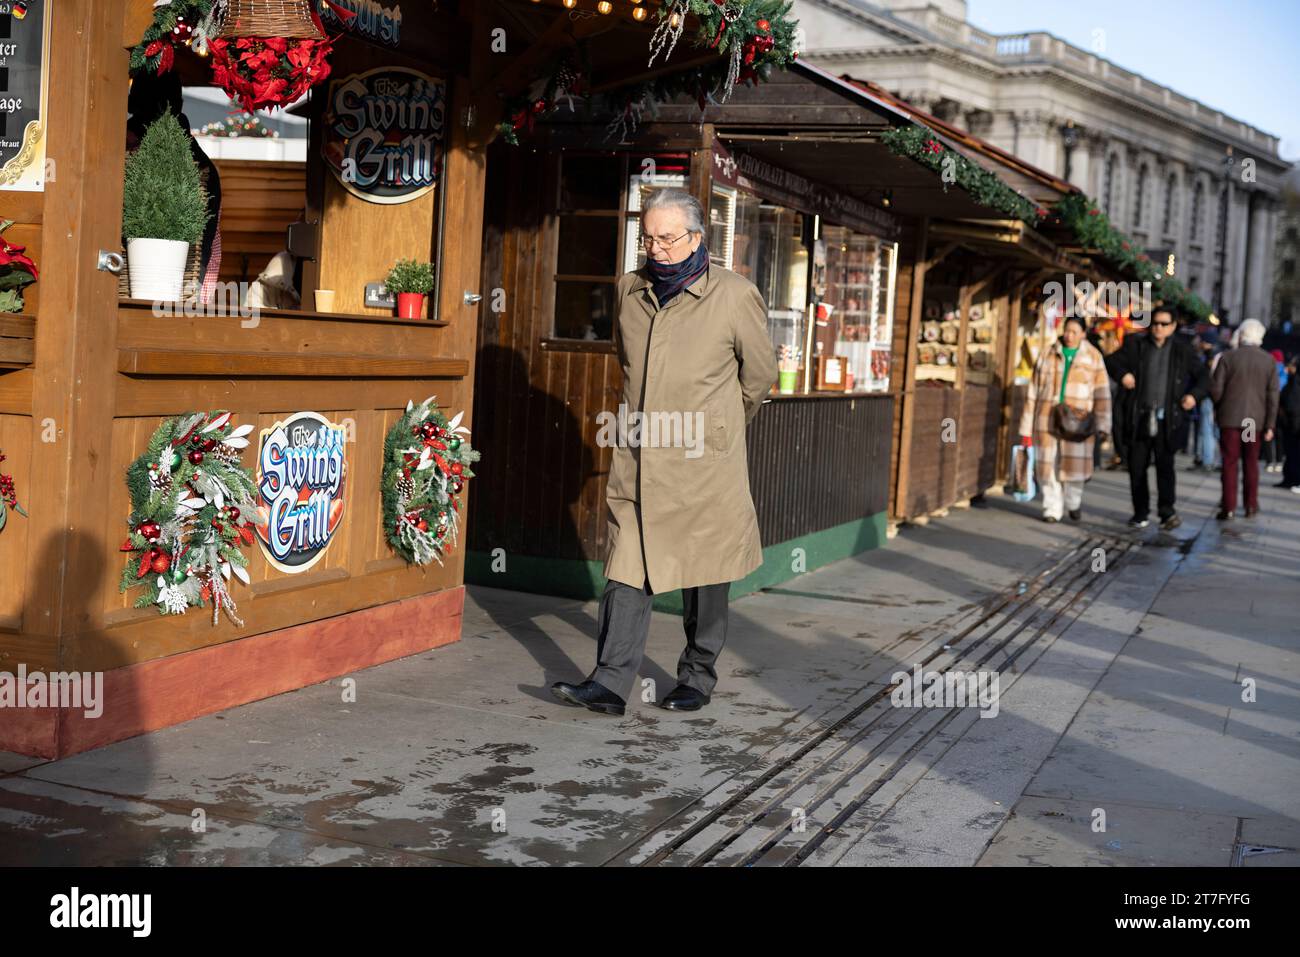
164 210
411 281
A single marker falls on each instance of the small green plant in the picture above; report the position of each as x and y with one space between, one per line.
410 276
164 197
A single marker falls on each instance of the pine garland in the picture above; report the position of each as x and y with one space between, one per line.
918 143
426 463
175 23
758 38
189 499
1093 230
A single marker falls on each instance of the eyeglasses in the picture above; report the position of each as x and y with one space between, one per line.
1167 322
649 241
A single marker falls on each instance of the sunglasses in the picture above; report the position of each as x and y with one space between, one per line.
1157 322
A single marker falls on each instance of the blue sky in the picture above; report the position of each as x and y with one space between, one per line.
1242 57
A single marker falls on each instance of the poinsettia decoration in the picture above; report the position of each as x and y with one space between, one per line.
189 499
426 465
8 497
176 24
268 72
16 271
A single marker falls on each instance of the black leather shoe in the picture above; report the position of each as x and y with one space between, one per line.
590 695
684 698
1224 515
1170 523
1076 514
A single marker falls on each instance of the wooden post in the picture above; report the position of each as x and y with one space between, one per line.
73 385
906 398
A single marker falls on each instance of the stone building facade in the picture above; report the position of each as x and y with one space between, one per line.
1182 179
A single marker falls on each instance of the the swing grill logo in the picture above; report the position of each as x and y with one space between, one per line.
383 134
301 475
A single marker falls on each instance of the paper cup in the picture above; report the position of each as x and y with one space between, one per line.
786 382
324 300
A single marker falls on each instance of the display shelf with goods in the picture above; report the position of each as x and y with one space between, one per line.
938 349
982 343
859 290
769 249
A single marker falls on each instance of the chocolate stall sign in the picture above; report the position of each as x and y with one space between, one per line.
383 133
301 476
24 88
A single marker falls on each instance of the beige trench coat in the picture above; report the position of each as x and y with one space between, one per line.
679 493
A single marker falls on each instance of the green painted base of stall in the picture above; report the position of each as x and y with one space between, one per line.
586 580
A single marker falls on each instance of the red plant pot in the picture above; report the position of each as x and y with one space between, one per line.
410 305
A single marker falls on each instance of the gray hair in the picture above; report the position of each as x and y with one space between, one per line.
673 198
1252 333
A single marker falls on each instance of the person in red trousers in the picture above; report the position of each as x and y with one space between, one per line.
1244 388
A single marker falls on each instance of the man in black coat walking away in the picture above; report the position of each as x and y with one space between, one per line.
1165 379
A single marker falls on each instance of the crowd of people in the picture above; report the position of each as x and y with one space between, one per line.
1232 406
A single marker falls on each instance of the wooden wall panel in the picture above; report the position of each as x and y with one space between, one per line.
259 199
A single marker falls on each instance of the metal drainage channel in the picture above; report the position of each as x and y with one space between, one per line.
839 769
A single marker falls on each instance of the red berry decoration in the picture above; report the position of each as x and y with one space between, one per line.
196 457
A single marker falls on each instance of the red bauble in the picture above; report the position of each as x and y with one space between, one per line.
161 563
763 25
233 512
456 468
196 457
422 525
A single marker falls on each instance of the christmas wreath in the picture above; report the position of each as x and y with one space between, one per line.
189 494
263 72
176 23
426 463
8 497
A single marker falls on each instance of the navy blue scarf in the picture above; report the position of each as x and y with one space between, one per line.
668 279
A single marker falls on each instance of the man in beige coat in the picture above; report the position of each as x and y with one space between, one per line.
697 361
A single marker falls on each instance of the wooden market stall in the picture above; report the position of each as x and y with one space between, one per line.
974 308
87 375
804 200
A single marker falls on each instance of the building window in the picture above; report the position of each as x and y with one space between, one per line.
1139 196
1108 186
598 216
1198 201
1168 220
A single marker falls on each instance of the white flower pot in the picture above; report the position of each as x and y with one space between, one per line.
156 268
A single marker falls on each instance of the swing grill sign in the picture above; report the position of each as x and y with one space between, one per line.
384 132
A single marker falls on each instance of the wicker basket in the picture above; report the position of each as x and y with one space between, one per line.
290 19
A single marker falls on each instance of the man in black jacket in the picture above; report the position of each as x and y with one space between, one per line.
1164 380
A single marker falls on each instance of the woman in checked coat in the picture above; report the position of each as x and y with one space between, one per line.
1072 371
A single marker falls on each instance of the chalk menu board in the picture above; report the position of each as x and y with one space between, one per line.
24 44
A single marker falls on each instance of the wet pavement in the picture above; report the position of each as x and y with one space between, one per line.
1118 691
